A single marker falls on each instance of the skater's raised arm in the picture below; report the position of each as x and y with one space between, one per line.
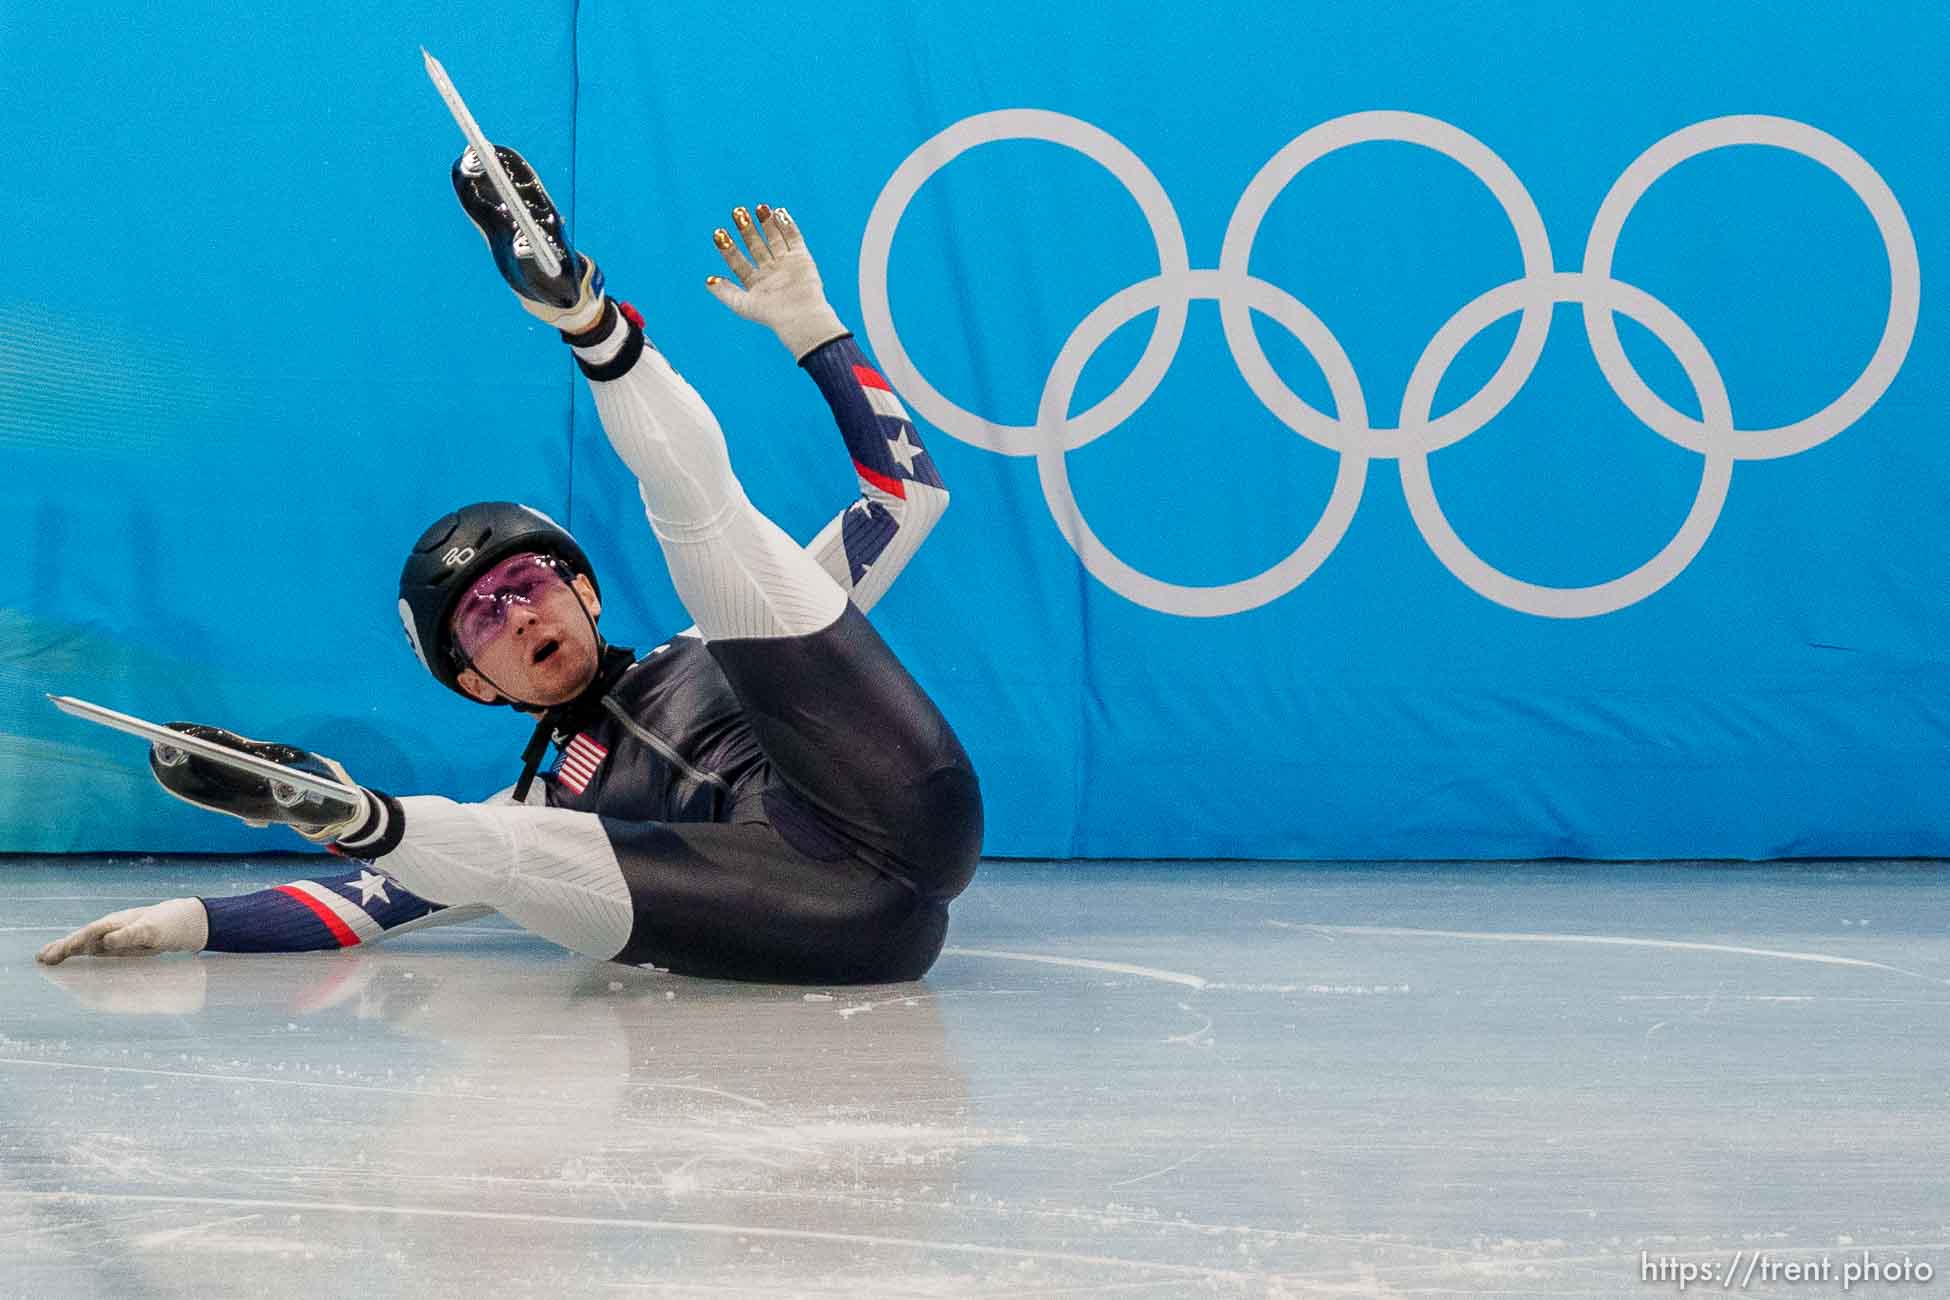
866 545
901 493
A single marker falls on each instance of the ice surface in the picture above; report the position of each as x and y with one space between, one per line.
1122 1079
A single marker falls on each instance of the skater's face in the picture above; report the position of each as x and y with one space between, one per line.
528 629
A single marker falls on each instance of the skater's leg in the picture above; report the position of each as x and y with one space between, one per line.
728 901
858 740
548 870
737 572
739 902
771 614
840 718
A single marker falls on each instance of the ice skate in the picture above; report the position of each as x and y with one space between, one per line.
571 298
256 781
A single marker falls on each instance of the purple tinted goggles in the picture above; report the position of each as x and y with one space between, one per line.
520 580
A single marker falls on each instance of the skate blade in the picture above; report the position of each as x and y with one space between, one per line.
304 783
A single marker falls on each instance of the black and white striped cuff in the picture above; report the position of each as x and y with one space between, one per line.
378 833
609 348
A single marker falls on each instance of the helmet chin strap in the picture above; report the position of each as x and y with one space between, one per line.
547 715
532 755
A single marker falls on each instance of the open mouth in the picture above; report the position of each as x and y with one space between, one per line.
544 650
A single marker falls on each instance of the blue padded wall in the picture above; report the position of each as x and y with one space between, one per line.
1333 567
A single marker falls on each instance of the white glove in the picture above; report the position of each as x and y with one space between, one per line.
177 925
781 288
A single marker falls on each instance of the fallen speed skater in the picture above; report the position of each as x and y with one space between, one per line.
767 795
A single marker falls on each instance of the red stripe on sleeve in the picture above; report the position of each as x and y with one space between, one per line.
339 929
891 486
870 378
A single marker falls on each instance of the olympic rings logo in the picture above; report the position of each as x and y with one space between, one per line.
1347 431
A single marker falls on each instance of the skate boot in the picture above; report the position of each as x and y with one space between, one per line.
258 800
571 300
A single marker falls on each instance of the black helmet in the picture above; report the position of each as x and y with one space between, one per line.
458 549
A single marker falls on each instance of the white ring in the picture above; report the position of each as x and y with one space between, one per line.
1052 418
1348 431
876 247
1905 284
1533 242
1715 475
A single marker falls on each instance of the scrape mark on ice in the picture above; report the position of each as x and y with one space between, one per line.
164 1236
669 1086
1084 963
904 1000
1158 1173
738 1231
1200 1037
1623 941
1356 990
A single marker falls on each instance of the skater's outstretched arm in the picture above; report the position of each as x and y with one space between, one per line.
342 910
323 912
319 913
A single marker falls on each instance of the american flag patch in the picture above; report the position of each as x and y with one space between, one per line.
880 395
579 763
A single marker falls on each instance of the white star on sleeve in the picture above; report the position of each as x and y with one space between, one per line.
370 885
905 451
